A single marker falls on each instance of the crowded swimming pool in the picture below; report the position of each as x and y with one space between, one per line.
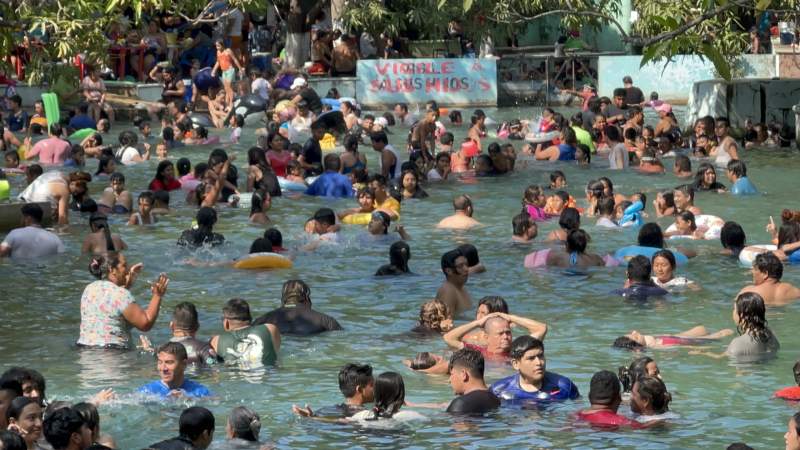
717 402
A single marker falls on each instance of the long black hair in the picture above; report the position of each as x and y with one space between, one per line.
390 394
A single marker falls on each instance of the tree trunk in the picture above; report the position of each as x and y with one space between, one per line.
297 49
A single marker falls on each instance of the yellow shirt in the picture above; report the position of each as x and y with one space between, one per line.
390 203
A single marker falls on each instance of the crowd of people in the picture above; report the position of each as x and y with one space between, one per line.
289 156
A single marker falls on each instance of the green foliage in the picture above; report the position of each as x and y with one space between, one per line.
77 27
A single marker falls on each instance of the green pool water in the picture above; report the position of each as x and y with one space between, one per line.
718 401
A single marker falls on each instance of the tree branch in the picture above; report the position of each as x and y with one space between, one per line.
201 16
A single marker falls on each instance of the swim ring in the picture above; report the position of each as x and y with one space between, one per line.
264 260
749 253
357 219
540 138
712 223
201 120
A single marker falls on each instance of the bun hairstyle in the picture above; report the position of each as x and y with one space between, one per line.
245 423
788 215
100 266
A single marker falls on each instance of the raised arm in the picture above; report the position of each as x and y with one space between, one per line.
453 337
535 328
144 319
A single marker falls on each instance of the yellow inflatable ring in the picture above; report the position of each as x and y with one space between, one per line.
264 260
357 219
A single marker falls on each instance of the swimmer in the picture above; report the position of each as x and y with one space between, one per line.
524 229
383 201
664 204
686 226
366 202
66 429
441 170
171 361
296 316
641 367
663 262
144 214
793 392
556 203
239 329
682 168
261 202
24 416
558 180
532 382
683 197
706 179
792 435
243 427
574 254
767 272
54 188
378 228
732 238
650 400
487 305
755 341
358 388
605 212
389 398
605 397
533 203
462 218
466 379
399 254
497 327
274 236
115 198
196 429
649 163
638 284
100 241
203 234
569 220
692 337
737 173
434 318
452 292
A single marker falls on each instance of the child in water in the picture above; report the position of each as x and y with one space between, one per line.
144 215
294 172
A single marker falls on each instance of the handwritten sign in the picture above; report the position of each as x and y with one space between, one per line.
457 82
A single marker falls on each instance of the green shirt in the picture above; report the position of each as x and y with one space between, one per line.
585 138
251 346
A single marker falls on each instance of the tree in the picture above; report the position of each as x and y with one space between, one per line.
298 28
78 26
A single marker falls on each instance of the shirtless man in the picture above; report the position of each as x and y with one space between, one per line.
462 218
498 334
452 292
727 149
767 273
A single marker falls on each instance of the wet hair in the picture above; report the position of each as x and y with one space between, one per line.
737 167
160 169
583 154
683 163
470 252
175 349
788 233
626 343
752 316
655 392
604 388
353 376
274 236
449 260
636 371
431 315
612 133
17 405
206 218
569 137
650 235
607 183
261 245
168 134
127 139
237 309
732 237
596 188
257 201
770 264
194 421
687 190
555 175
399 254
521 223
183 166
10 440
688 216
161 197
245 423
295 292
469 359
59 426
666 254
390 394
89 414
531 194
523 344
185 317
103 163
116 176
379 136
325 216
494 304
577 241
741 445
639 269
570 219
605 206
446 139
422 361
332 162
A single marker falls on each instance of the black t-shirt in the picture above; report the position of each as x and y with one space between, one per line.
340 410
633 96
476 402
268 182
312 153
299 321
197 238
178 443
388 269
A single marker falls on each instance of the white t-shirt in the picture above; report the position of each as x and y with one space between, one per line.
127 154
605 222
363 418
261 87
433 175
32 243
618 152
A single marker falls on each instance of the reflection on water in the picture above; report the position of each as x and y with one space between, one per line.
41 312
